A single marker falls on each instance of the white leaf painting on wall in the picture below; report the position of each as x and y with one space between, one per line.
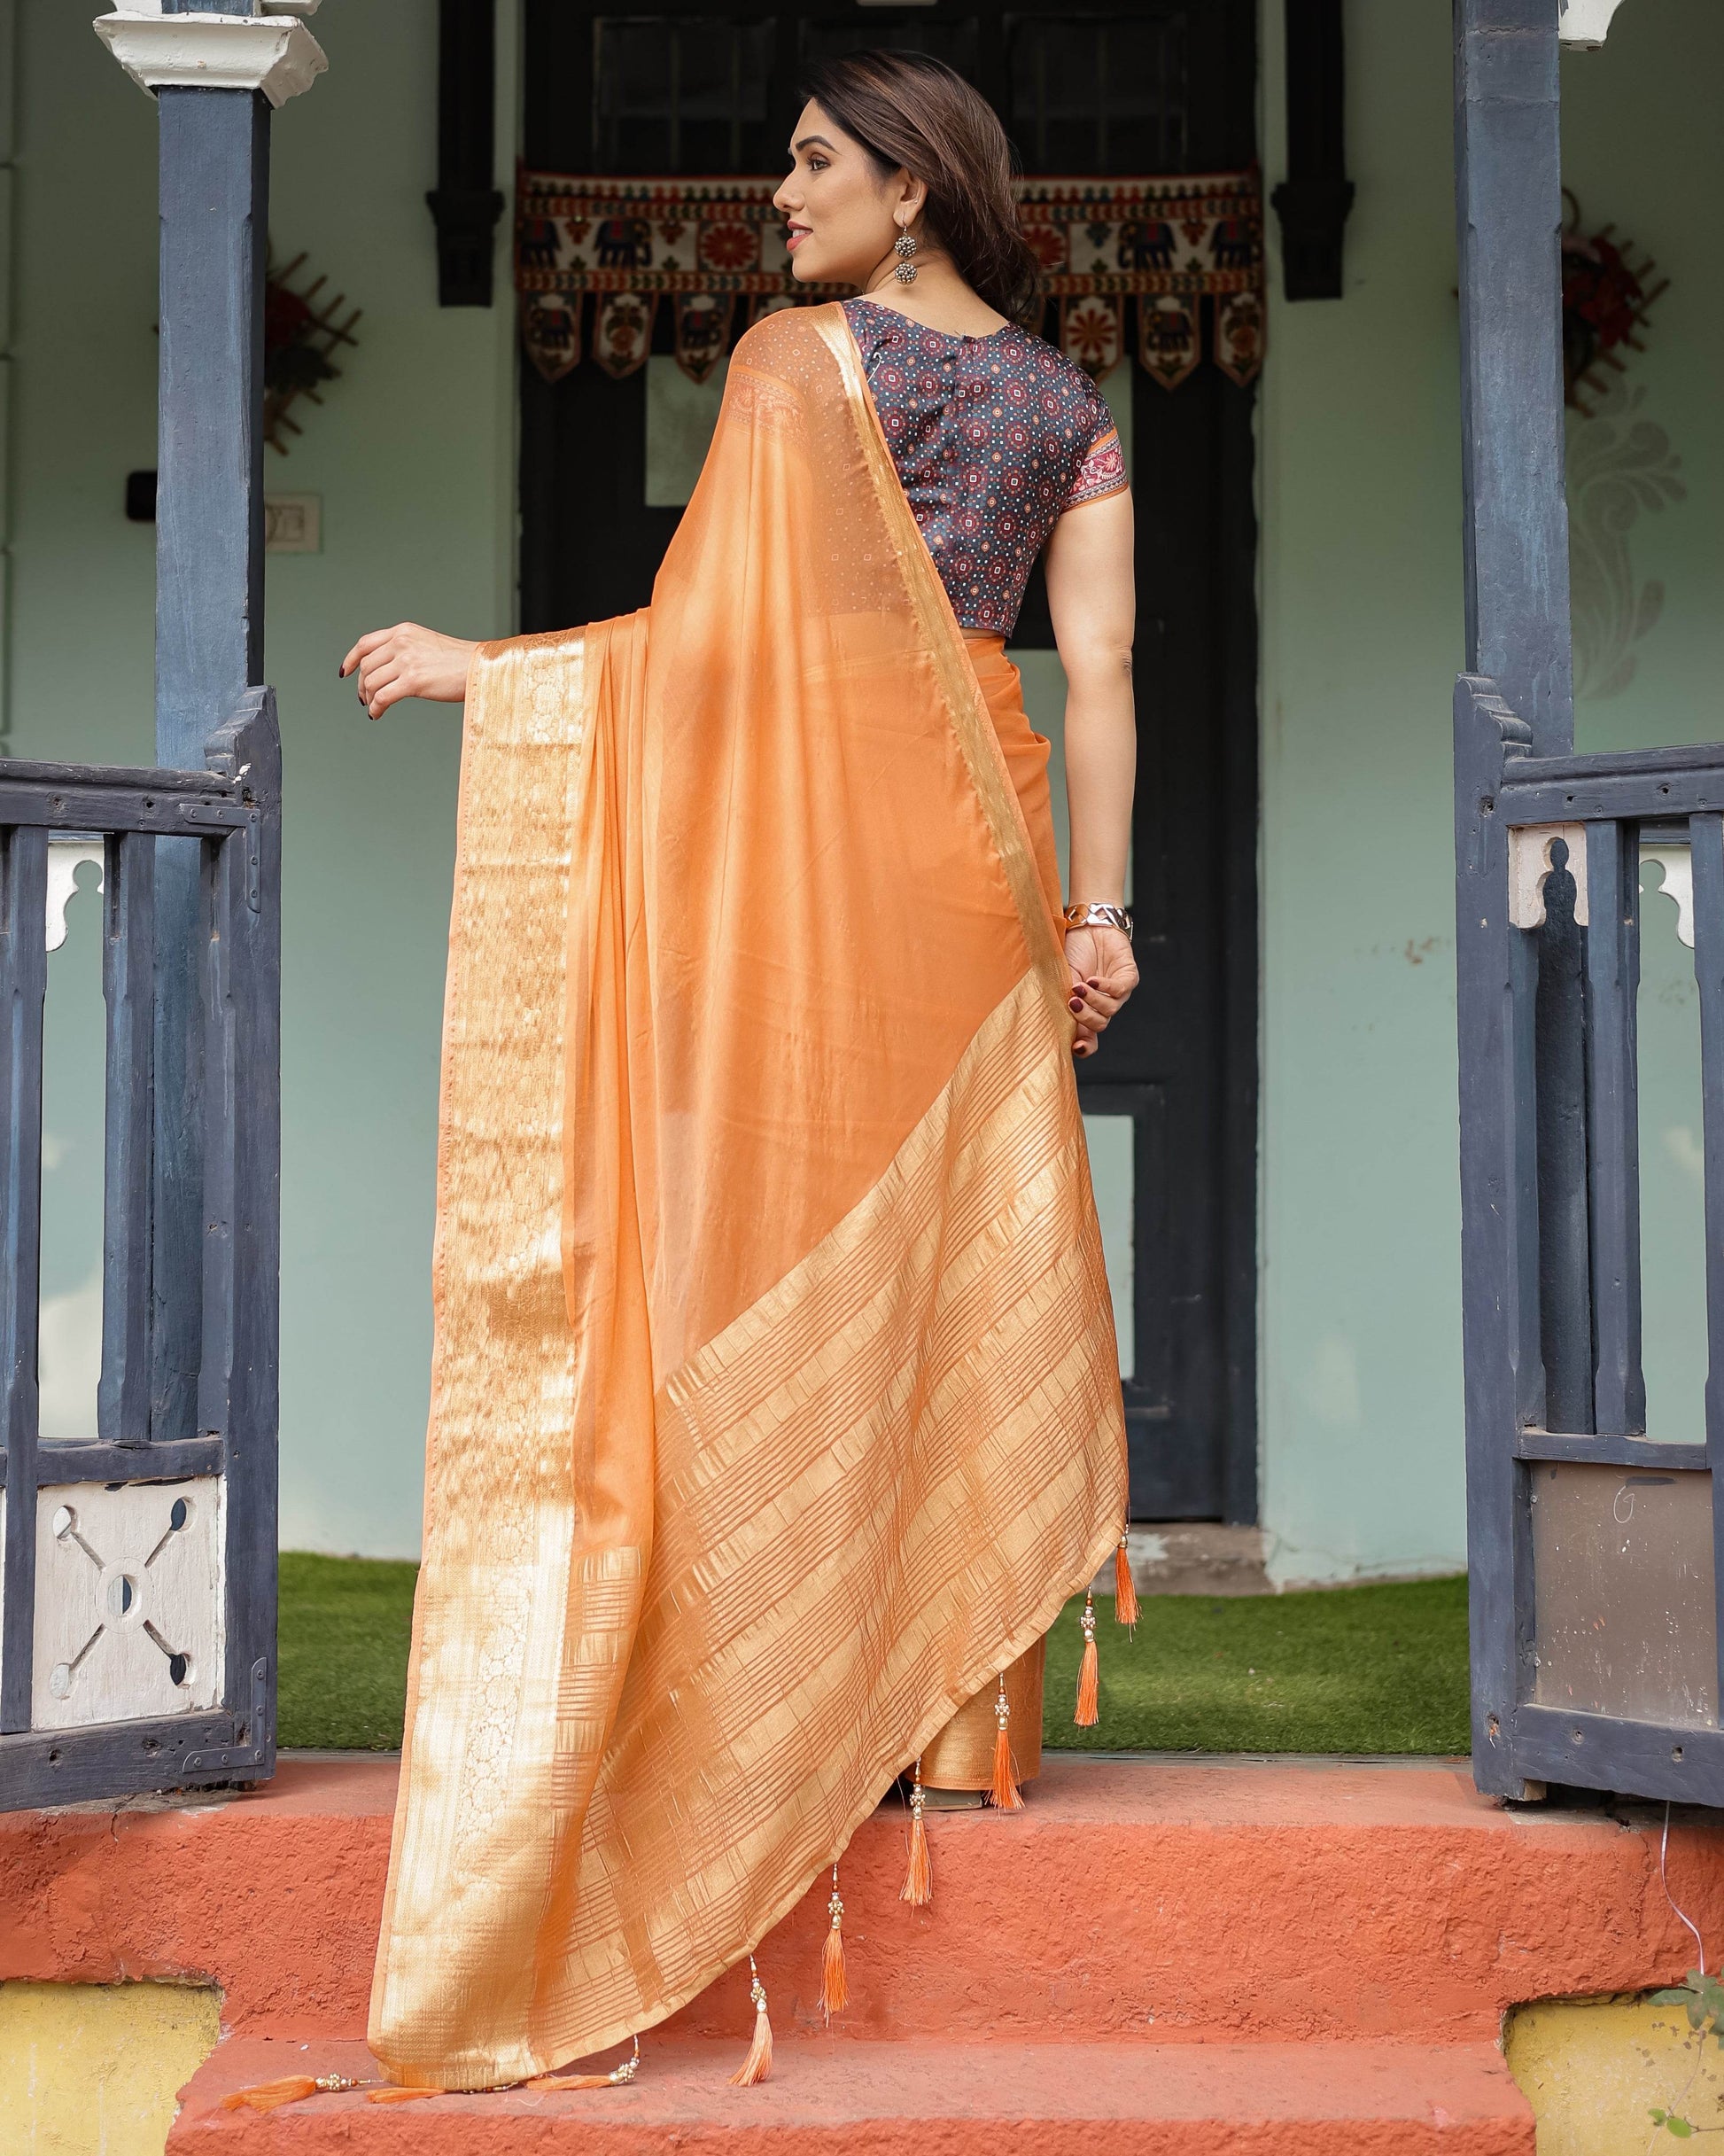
1618 467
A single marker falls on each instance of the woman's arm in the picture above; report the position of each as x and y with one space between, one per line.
1093 599
408 661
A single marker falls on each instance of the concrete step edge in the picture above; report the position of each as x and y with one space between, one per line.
1315 2100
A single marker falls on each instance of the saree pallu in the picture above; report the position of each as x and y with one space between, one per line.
776 1404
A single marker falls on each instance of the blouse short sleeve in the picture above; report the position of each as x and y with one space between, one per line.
1102 471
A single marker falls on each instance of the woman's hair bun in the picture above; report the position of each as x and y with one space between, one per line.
907 109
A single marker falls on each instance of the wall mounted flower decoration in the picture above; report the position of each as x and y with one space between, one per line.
300 333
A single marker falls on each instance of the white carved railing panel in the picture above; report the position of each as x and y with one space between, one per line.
1530 863
64 857
1678 865
129 1611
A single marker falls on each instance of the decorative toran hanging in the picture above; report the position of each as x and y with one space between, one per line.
707 246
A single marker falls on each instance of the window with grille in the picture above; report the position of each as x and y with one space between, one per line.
686 94
954 42
1095 94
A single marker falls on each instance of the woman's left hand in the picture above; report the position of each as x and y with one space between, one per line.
408 660
1103 975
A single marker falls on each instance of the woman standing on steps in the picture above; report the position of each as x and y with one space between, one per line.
775 1411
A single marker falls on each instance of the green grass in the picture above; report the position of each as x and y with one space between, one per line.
1378 1668
1346 1669
345 1626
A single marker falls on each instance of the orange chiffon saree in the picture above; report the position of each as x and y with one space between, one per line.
775 1403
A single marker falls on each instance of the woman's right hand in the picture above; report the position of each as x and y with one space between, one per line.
408 661
1103 975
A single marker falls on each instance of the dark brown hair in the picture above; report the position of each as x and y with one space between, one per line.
906 109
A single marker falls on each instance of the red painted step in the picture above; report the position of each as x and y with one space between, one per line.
837 2099
1178 1900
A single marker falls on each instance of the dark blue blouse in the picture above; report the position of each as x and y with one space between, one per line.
995 437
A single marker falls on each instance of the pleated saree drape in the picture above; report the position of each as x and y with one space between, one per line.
774 1402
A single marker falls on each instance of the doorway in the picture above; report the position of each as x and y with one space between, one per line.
702 88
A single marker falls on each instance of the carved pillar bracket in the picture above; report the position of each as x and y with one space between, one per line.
272 52
1312 201
1584 24
465 204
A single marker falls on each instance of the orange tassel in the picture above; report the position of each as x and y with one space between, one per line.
918 1880
615 2079
1006 1793
1089 1674
290 2089
402 2096
1125 1588
757 2066
834 1988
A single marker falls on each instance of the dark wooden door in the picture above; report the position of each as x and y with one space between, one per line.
697 87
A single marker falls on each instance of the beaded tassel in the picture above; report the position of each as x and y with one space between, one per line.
290 2089
1089 1674
1125 1588
834 1989
1005 1795
757 2066
615 2079
918 1880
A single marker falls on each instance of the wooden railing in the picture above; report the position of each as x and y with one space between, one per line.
137 1568
1595 1549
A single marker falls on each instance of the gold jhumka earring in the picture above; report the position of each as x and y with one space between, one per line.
904 247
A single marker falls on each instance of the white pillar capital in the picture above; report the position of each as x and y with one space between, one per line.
272 51
1584 24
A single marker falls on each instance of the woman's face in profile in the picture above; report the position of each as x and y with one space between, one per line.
838 208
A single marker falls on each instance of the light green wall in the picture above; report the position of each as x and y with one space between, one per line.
1360 489
1359 481
413 456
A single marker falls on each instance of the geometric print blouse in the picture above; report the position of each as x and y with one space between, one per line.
994 438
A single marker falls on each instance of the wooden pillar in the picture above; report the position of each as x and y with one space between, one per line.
1526 1268
216 68
1312 201
465 204
1508 179
214 180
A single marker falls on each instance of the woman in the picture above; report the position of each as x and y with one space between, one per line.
775 1406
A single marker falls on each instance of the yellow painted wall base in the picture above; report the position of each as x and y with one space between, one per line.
1594 2070
94 2069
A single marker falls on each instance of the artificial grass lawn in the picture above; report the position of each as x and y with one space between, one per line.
1380 1668
1377 1668
342 1642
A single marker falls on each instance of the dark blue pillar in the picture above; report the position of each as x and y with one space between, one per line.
1508 175
215 177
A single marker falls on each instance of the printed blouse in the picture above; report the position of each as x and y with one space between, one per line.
995 437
